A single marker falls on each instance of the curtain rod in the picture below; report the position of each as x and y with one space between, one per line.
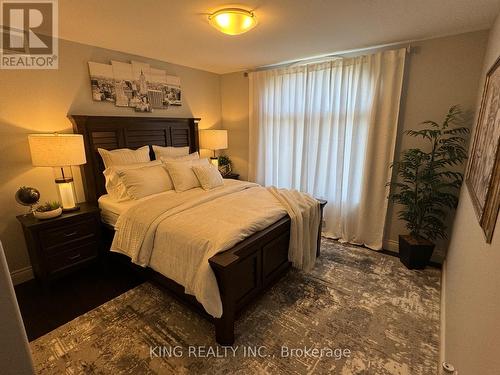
337 55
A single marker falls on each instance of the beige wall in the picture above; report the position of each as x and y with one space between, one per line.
234 99
472 278
39 101
440 72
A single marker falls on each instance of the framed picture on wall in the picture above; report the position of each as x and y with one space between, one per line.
483 170
102 82
136 85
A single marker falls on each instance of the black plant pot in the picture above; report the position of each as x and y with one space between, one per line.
415 253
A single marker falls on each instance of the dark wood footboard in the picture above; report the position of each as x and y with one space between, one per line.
247 270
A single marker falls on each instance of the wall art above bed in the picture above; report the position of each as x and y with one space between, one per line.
135 85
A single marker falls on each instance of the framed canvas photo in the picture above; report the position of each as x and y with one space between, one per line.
483 170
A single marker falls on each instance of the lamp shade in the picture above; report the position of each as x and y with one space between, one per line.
56 150
213 139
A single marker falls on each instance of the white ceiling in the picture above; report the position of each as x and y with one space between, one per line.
177 30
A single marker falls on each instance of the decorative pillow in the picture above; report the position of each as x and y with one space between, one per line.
141 182
170 152
193 156
182 173
114 184
124 156
208 175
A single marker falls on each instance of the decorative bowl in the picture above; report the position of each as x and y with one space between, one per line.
47 214
27 196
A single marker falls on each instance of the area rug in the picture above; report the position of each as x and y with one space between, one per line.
358 312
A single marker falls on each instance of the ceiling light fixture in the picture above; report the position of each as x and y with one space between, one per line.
233 21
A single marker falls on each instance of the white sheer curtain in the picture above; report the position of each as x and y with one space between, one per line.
329 129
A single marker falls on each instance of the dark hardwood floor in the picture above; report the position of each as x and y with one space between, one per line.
72 295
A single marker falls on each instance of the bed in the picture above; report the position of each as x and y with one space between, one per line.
243 271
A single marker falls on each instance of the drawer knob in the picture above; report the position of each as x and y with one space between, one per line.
70 234
73 257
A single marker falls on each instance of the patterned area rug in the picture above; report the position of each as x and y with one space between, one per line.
358 312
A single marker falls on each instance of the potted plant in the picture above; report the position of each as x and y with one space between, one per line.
48 210
428 187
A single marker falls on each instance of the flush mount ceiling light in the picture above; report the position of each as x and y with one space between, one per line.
233 21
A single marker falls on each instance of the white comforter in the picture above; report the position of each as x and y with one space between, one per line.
177 236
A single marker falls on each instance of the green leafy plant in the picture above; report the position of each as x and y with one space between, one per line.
428 187
224 165
48 206
224 160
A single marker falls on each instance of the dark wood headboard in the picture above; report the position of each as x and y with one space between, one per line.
111 132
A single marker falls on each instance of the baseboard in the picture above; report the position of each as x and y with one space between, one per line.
442 316
391 245
21 275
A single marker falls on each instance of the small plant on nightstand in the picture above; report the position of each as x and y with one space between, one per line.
224 165
428 186
48 210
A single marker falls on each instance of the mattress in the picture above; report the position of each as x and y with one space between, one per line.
112 209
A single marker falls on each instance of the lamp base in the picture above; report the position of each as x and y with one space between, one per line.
66 192
72 209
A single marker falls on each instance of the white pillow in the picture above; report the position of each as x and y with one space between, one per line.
182 173
170 152
208 175
193 156
141 182
123 156
114 184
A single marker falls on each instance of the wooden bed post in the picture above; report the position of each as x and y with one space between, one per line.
224 326
322 204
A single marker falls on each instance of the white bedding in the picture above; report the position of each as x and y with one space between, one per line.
305 215
111 209
176 234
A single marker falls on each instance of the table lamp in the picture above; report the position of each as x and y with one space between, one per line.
213 140
59 151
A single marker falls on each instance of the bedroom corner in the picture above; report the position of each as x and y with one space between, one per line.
269 187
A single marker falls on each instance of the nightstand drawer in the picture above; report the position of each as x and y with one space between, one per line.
68 233
73 256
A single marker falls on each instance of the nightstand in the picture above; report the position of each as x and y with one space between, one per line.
233 176
62 244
